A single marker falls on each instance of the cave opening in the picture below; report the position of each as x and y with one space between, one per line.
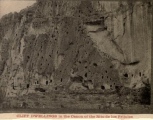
95 64
28 85
85 75
103 87
140 74
125 75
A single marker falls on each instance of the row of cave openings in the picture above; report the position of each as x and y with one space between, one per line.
102 86
127 75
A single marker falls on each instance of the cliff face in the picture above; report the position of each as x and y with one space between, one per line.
49 46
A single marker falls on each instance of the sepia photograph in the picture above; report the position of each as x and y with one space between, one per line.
76 56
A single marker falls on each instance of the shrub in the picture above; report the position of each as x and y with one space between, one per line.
146 95
2 96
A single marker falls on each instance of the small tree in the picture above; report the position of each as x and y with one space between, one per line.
2 96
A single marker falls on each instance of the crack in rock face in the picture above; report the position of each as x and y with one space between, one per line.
75 47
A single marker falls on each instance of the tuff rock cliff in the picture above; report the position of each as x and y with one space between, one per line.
55 46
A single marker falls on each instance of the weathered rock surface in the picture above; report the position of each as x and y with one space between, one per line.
59 46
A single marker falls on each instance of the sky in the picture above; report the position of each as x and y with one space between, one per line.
7 6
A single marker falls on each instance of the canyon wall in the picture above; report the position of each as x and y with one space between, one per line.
47 47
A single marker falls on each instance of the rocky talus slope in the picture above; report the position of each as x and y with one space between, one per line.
72 54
